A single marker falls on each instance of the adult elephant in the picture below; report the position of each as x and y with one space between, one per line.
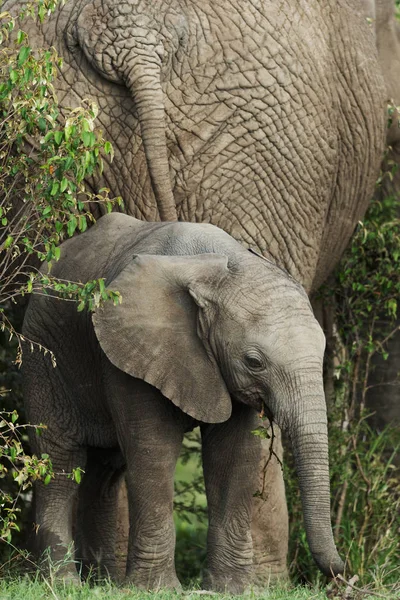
264 117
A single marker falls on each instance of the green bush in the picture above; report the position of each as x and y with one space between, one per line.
44 160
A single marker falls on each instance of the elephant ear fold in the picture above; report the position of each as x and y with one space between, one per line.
153 333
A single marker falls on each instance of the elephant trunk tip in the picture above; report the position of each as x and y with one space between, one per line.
331 567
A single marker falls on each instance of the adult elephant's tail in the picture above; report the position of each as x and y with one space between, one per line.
144 82
124 49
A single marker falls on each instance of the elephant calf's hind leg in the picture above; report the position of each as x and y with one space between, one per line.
54 514
97 513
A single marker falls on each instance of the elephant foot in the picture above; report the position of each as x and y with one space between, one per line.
66 575
60 567
70 578
147 580
270 574
223 582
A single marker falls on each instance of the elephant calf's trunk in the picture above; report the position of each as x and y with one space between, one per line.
310 448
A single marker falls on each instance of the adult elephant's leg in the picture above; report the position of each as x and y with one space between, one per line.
96 528
230 458
270 524
150 429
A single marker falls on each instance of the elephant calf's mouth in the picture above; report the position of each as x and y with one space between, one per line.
251 398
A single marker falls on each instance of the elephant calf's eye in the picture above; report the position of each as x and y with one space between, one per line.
254 361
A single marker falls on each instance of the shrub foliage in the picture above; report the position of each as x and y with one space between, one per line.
44 161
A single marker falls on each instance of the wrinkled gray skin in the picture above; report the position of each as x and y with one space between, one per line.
206 333
262 117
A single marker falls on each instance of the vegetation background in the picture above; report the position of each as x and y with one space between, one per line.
44 160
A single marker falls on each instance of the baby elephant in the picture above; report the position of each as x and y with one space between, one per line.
207 333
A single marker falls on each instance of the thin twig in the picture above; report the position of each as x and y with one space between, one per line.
360 590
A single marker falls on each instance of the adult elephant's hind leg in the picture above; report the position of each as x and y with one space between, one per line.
270 526
96 528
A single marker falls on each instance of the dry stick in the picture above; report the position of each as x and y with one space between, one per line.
357 589
339 514
367 366
271 454
368 482
350 416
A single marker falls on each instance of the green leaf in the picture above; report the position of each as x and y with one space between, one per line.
58 225
77 475
47 210
63 184
261 432
9 241
88 138
58 137
42 124
68 163
82 223
47 479
108 149
72 224
23 55
68 131
21 36
13 76
55 188
57 252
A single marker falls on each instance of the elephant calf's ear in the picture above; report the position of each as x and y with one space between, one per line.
152 334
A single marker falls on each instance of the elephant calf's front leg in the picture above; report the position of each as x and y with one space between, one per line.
230 461
151 432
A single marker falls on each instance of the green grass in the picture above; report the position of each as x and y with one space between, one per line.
36 588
